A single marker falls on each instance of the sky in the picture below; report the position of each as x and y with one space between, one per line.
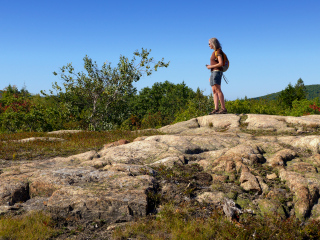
269 43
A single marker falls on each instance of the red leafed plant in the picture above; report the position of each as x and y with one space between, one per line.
315 107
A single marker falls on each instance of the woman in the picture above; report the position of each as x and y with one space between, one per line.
216 63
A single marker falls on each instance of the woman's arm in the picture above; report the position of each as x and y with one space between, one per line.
219 64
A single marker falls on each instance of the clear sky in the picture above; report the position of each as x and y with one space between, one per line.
269 43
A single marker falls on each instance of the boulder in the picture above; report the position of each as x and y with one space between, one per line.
211 197
249 182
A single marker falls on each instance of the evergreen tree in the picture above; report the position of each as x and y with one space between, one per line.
290 93
301 90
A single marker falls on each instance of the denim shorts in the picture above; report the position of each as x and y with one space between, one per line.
215 78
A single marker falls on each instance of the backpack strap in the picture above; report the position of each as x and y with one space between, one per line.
216 53
222 55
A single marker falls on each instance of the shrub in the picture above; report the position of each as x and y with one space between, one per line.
199 106
132 123
155 120
303 107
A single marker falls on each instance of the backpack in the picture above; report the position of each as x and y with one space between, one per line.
226 62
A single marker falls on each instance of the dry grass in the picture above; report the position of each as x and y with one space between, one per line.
189 222
32 226
74 143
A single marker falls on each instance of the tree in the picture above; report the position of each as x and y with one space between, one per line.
93 96
197 106
301 90
290 93
165 98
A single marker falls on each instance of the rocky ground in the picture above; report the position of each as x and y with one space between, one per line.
257 163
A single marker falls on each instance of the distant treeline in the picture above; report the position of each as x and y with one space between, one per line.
313 91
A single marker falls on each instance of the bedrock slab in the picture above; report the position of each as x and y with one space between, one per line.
120 181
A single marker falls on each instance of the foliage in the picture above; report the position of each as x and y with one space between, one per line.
132 123
313 91
198 106
157 106
19 112
14 105
290 93
303 107
261 106
162 104
98 96
35 225
315 107
155 120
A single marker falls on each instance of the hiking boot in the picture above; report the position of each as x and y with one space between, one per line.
223 111
215 111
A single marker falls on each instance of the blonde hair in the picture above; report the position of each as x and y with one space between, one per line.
215 43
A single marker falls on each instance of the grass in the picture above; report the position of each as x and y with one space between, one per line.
74 143
35 225
190 222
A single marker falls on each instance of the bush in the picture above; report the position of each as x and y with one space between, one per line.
254 106
198 106
155 120
303 107
132 123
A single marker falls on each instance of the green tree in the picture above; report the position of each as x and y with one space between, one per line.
162 101
197 106
96 97
290 93
301 90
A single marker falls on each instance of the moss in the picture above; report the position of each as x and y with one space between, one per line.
243 124
315 213
232 195
217 187
268 207
244 203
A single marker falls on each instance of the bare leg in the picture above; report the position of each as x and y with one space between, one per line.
215 98
217 89
221 98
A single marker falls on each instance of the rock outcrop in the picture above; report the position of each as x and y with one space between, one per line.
264 163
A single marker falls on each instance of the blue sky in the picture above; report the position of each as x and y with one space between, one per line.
269 43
